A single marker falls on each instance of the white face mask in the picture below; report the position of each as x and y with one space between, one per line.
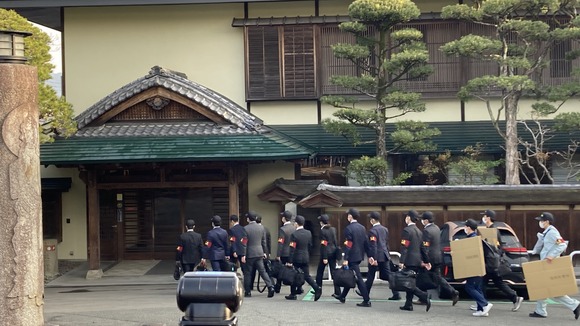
483 220
541 224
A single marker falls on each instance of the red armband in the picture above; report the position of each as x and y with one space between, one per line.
208 244
179 248
348 244
292 244
324 243
405 243
373 238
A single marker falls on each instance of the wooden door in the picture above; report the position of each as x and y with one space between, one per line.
108 226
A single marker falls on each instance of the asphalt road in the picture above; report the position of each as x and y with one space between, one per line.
155 305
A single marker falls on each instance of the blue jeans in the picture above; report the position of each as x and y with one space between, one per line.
473 288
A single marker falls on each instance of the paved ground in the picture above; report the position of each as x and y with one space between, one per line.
139 295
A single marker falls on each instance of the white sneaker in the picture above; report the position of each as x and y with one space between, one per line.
487 308
518 303
480 314
473 307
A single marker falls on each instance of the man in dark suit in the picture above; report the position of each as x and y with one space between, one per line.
238 240
268 236
432 243
413 253
255 254
378 237
284 241
328 247
488 219
300 246
217 245
355 246
189 248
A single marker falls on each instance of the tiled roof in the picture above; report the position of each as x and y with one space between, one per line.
178 83
138 129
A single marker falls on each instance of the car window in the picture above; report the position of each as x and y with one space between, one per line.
508 239
459 234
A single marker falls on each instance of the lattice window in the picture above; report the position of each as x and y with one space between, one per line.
172 111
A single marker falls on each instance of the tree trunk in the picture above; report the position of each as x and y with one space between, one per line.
382 145
512 163
21 247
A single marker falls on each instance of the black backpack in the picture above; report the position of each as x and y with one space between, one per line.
491 255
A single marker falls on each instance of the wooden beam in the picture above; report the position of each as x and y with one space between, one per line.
94 222
234 190
164 185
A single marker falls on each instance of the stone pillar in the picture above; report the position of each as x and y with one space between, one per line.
21 246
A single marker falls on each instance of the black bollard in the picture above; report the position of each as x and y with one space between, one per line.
209 298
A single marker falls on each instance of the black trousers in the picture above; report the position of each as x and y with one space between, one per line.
187 267
307 278
500 284
422 295
219 265
381 267
320 273
252 264
362 287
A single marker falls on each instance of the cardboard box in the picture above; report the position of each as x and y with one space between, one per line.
545 280
467 257
490 234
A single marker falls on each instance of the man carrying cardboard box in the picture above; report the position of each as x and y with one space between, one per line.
551 245
488 219
473 285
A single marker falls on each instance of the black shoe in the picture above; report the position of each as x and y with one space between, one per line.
277 288
247 295
290 297
339 298
428 303
317 294
364 304
271 292
395 298
406 308
455 298
536 315
358 293
577 312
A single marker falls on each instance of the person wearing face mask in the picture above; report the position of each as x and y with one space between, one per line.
549 246
473 284
431 241
413 254
488 220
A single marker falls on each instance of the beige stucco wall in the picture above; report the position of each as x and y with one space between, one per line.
259 177
74 234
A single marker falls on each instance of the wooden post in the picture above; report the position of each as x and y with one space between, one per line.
233 190
94 240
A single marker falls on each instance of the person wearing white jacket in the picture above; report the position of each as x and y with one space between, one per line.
550 245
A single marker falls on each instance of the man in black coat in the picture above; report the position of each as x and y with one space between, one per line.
328 248
413 253
378 251
238 240
217 245
189 248
432 243
300 246
283 242
488 220
355 246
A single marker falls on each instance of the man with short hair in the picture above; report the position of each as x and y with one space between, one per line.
217 245
189 248
379 256
551 245
300 246
355 246
328 249
473 284
432 243
238 240
255 254
413 253
488 219
284 234
268 245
